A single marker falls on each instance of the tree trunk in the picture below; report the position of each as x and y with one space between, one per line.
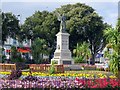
93 53
93 59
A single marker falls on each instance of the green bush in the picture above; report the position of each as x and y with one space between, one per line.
3 58
52 67
18 59
16 56
54 62
114 61
79 59
114 64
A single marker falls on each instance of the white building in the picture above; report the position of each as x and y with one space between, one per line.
12 42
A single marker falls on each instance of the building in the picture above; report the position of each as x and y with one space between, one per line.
12 42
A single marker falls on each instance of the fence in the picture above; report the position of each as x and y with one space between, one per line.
45 68
7 67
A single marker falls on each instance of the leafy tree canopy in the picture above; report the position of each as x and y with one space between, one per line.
113 38
82 22
10 26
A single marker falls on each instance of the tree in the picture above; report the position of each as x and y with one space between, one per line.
10 26
84 24
39 48
44 25
0 36
113 38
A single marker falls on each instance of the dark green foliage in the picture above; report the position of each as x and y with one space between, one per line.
39 47
3 58
43 25
113 38
83 24
10 26
81 53
16 56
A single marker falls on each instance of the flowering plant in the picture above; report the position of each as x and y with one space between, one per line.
59 82
66 74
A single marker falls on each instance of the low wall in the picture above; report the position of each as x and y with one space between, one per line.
45 68
7 67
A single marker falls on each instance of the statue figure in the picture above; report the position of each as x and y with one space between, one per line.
62 24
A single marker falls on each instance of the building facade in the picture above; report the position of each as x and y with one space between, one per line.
12 42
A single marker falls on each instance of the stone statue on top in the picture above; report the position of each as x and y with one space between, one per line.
62 19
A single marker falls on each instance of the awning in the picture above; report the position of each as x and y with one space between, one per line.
23 50
26 50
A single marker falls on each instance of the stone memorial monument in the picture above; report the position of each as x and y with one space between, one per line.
62 54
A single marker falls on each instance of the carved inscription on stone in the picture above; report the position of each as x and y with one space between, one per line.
67 62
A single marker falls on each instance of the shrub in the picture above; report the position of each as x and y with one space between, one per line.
54 62
3 58
18 59
79 59
114 64
16 56
52 67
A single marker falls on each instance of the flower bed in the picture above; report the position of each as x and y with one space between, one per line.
58 82
5 73
91 76
67 74
62 80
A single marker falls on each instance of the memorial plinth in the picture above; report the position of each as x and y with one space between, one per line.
62 54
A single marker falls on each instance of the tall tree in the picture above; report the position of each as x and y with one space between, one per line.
84 24
10 26
0 27
43 25
0 36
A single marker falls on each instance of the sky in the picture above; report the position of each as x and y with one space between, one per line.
108 10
